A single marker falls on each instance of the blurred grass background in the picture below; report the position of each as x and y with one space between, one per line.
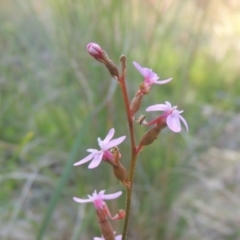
187 184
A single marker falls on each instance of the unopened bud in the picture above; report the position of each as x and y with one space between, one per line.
123 61
100 55
96 51
120 215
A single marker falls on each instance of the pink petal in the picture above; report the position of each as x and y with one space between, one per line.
94 195
173 122
94 49
109 136
114 142
80 200
96 160
100 142
119 237
139 68
148 73
184 122
163 81
98 238
169 105
98 203
101 193
112 196
157 107
84 160
92 150
152 75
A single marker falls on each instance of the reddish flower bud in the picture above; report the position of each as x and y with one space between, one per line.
120 215
96 51
100 55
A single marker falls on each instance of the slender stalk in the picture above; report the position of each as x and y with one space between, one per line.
122 81
134 153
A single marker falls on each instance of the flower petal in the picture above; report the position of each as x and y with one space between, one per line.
173 122
100 142
114 142
119 237
109 136
98 238
96 160
169 105
101 193
80 200
86 159
184 122
92 150
162 81
139 68
112 196
148 73
94 195
157 107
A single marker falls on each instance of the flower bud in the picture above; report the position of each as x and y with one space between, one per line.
120 215
96 51
100 55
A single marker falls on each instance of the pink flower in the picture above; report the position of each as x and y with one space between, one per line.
95 50
97 198
171 115
97 155
149 76
119 237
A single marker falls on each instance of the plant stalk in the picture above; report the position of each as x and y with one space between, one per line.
134 153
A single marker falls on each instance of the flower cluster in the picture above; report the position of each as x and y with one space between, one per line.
110 153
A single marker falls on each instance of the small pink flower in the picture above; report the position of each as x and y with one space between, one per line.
95 50
149 76
97 155
171 115
97 198
119 237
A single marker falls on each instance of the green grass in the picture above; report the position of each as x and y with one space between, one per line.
49 84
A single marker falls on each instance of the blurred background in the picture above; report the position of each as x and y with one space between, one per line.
187 185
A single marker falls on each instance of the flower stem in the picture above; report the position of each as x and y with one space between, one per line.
134 153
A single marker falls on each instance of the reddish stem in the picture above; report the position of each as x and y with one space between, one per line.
133 145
